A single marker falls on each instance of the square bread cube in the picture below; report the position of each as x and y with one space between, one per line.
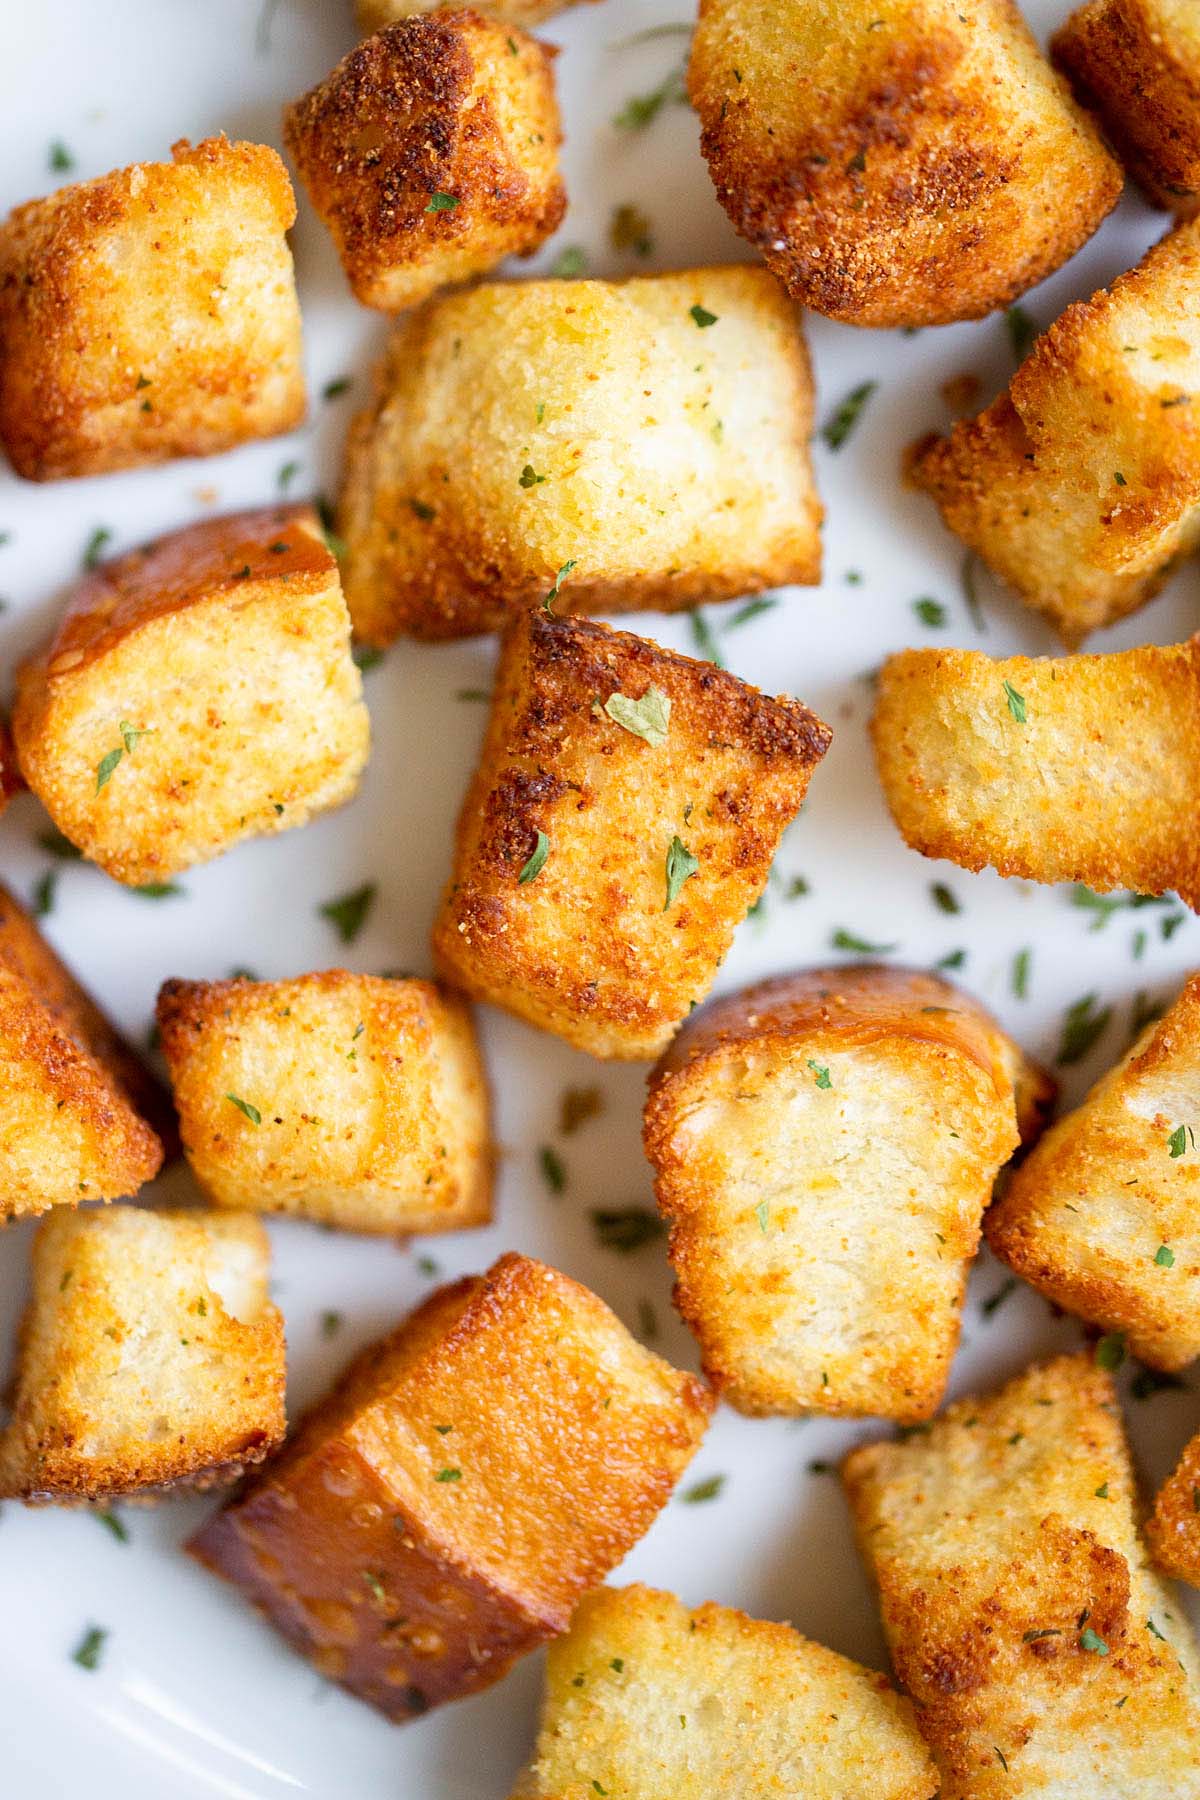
440 1513
196 692
348 1099
431 153
823 1147
1076 768
1043 1656
80 1117
150 313
622 821
1173 1528
1080 486
649 1701
374 13
622 444
150 1356
1104 1215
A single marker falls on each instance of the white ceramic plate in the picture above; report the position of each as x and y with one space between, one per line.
193 1695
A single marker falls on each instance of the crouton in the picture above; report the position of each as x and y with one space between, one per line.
621 822
431 153
374 13
80 1117
1137 63
1173 1528
150 313
348 1099
1080 486
197 692
619 445
442 1510
652 1702
1080 768
1042 1654
824 1145
10 779
150 1356
905 164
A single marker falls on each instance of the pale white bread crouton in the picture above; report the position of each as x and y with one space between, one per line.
1080 486
81 1118
1077 768
1174 1526
648 1701
197 692
150 313
824 1145
440 1513
349 1099
150 1356
908 162
1137 63
1043 1655
606 856
431 153
374 13
1104 1215
631 444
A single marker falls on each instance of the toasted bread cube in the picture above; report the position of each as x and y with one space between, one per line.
1077 768
1137 63
824 1145
431 153
1080 486
150 1356
1173 1528
440 1513
76 1105
605 857
150 313
349 1099
374 13
1042 1654
652 1702
197 692
625 445
1104 1215
909 163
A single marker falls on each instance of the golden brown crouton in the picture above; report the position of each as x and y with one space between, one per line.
76 1105
1080 486
652 1702
441 1512
824 1145
623 445
1137 63
150 313
431 153
349 1099
904 163
1043 1656
197 692
150 1356
1174 1526
1078 768
622 820
374 13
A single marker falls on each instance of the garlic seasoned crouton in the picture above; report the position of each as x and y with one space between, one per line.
1043 1656
349 1099
1137 63
908 163
150 313
150 1356
652 1702
824 1145
431 153
80 1117
1104 1215
1173 1528
622 820
1080 486
1080 768
374 13
442 1511
197 692
623 445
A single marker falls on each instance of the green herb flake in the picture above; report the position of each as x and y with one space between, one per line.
944 898
422 510
378 1591
554 1173
158 890
448 1475
820 1073
287 475
366 657
859 946
43 893
1001 1758
1022 962
1016 703
564 571
60 158
846 414
642 110
1090 1640
88 1651
995 1301
704 638
626 1228
95 547
251 1112
700 1491
1164 1257
348 913
681 865
930 612
54 843
537 861
702 317
529 478
569 264
1102 1491
107 766
442 203
1083 1026
630 229
1021 331
1110 1351
115 1526
333 390
762 1213
648 718
1177 1143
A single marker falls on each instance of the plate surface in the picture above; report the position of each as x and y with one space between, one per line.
193 1695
